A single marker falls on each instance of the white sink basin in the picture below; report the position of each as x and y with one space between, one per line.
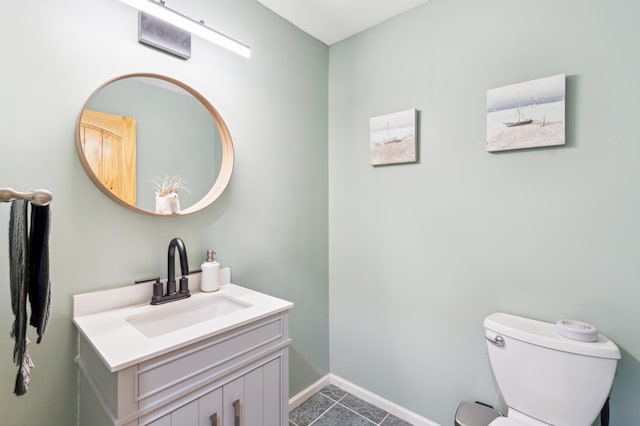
184 313
125 329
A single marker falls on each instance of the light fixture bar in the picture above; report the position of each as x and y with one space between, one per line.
198 28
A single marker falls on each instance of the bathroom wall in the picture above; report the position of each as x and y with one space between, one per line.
421 253
270 225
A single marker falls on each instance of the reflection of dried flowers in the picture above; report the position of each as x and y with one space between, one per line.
168 185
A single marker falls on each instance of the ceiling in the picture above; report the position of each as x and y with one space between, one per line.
331 21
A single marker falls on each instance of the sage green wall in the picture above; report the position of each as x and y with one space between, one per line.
270 225
421 253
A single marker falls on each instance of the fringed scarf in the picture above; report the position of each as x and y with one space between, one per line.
29 277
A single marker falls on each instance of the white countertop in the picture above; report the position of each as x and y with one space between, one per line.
101 318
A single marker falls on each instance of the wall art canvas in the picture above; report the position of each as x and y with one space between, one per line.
526 115
392 138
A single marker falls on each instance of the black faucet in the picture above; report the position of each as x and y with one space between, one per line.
171 295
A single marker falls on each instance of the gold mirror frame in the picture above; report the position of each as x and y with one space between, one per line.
227 160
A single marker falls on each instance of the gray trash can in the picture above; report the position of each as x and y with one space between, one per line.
474 414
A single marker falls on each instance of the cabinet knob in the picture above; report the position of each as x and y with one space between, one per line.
236 412
214 419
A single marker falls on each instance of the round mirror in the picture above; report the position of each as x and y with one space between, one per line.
154 145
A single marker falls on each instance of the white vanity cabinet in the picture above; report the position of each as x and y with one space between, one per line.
235 377
251 399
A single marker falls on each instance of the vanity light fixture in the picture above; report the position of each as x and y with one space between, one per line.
198 28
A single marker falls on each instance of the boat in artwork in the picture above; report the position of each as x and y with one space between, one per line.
521 120
390 139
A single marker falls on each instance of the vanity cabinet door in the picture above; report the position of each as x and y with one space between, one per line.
183 416
233 403
254 399
210 409
187 415
262 396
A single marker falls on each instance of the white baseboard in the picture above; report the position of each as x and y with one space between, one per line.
307 392
372 398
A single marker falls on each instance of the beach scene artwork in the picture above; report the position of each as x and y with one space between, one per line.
392 138
526 115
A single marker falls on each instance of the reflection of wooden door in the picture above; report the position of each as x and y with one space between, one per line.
109 145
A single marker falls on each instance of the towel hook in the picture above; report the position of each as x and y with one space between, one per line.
39 197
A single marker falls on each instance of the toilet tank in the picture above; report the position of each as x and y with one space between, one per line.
548 377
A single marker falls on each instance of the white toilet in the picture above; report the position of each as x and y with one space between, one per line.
545 378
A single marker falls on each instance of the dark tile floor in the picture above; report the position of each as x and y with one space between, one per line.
333 406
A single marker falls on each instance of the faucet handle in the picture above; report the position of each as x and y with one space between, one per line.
157 288
157 292
184 285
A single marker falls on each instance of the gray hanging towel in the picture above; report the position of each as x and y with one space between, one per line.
39 284
29 277
19 282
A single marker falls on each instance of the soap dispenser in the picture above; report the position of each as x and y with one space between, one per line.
210 280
